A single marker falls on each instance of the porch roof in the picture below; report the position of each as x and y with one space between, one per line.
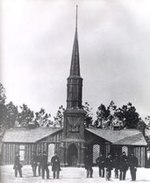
120 137
22 135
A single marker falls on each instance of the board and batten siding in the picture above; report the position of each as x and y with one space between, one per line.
140 153
9 150
25 149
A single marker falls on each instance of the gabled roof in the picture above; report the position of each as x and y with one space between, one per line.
120 137
22 135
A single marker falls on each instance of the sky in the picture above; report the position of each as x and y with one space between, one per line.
114 46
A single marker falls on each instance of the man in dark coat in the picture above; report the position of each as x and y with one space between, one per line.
109 166
55 165
39 161
123 166
133 163
44 165
17 165
34 163
101 165
116 165
88 165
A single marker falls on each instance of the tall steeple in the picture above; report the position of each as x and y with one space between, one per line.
74 115
75 64
74 84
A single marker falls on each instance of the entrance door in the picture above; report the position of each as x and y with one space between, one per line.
72 155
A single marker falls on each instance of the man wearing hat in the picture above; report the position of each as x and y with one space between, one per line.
133 163
34 163
55 165
44 165
17 165
123 166
109 166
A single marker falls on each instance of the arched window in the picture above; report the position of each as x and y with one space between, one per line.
96 152
22 152
51 150
125 149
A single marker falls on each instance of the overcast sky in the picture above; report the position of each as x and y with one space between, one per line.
114 43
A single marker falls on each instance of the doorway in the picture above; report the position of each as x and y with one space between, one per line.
72 155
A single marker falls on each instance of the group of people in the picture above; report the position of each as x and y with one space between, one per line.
41 163
120 164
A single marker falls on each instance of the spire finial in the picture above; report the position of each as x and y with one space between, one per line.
76 16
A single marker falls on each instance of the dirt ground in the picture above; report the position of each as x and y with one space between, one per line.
67 175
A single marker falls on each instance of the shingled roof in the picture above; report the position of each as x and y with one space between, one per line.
22 135
120 137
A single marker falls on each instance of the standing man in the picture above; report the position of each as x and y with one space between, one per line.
34 163
17 165
44 165
116 165
109 166
101 165
55 166
123 166
88 166
39 161
133 163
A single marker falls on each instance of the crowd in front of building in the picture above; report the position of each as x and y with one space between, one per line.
120 164
39 163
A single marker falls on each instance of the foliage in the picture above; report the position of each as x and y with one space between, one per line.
147 130
2 94
102 115
42 119
2 105
11 115
124 117
59 118
141 126
88 114
25 116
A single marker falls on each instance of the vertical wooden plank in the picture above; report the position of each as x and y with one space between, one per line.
10 153
4 154
13 154
28 154
143 158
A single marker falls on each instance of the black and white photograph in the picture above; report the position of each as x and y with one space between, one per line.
75 91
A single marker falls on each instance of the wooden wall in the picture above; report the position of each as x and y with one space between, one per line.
26 149
9 150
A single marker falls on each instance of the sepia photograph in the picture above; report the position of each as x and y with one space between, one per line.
75 91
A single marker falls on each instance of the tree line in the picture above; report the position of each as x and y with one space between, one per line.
22 116
107 117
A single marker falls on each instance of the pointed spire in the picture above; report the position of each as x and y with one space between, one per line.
76 17
74 81
75 65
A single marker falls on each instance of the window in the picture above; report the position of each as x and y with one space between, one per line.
51 150
125 149
96 152
22 152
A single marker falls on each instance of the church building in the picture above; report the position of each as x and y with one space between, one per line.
74 140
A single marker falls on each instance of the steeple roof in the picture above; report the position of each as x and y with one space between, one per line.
75 61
